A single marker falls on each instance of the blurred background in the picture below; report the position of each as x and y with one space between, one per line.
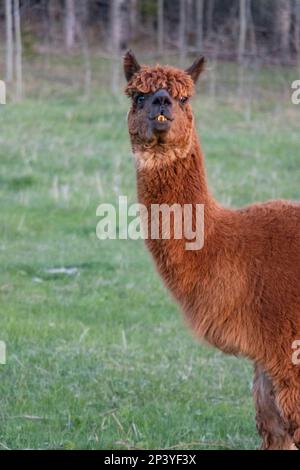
98 355
243 31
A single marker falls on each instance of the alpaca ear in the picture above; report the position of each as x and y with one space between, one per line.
196 68
131 65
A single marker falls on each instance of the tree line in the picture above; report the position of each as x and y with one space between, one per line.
239 30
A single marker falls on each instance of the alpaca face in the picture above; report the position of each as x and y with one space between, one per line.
160 113
159 118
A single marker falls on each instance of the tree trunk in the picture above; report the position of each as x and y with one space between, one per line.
182 32
45 20
210 17
284 14
243 30
297 28
133 18
199 24
9 41
251 27
82 31
116 28
190 19
160 26
70 24
53 14
18 55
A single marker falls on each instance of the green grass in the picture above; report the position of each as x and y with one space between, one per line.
101 357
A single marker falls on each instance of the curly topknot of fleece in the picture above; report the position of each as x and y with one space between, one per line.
150 79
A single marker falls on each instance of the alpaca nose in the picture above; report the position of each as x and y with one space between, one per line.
161 101
160 112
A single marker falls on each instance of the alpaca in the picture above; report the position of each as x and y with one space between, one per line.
241 291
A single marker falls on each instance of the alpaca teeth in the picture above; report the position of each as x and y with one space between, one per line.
161 118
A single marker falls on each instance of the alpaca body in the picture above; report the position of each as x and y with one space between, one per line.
241 291
235 290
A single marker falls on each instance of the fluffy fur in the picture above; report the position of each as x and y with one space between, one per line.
150 79
241 292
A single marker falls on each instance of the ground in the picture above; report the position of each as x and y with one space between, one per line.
98 355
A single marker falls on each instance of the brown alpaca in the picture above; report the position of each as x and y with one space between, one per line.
241 291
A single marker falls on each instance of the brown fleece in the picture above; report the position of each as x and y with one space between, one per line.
241 292
151 79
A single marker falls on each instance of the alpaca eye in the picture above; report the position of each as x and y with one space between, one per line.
140 99
183 99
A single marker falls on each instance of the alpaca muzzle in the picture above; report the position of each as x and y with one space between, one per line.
160 124
161 118
161 111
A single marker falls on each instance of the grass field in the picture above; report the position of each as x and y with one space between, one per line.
99 356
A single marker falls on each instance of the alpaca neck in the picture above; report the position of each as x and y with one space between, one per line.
208 283
174 177
169 176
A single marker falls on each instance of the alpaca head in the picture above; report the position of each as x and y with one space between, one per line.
160 113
